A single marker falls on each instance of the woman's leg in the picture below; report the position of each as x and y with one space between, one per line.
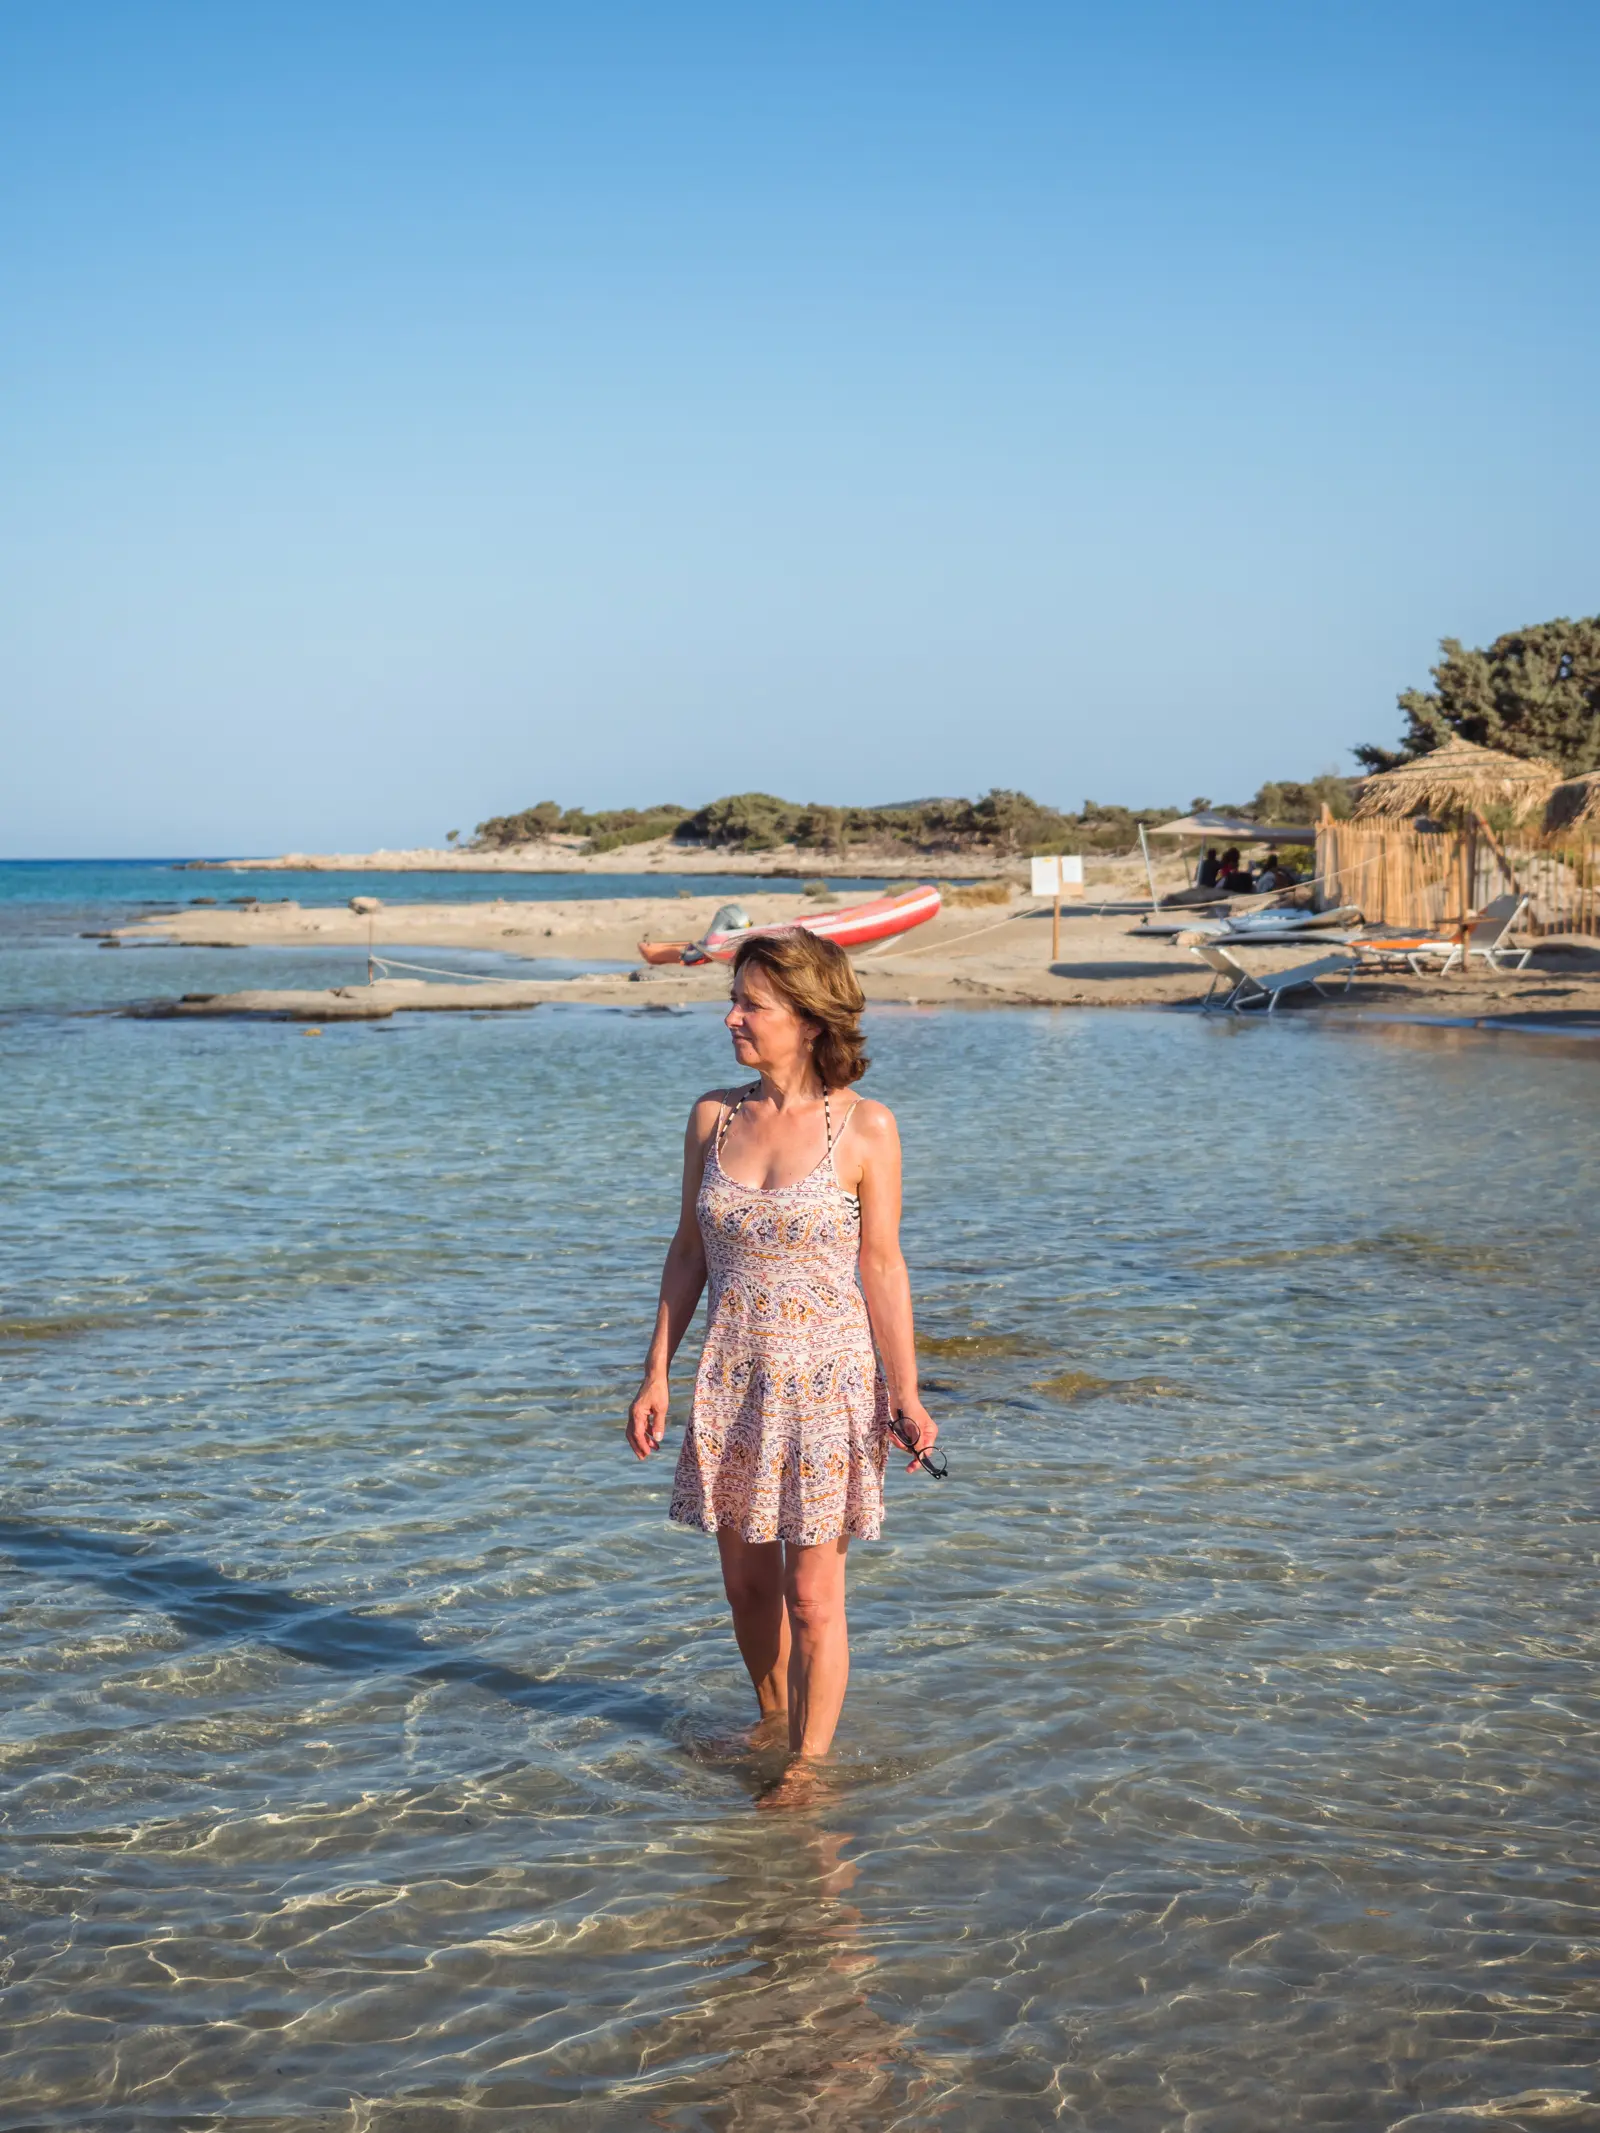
819 1655
752 1577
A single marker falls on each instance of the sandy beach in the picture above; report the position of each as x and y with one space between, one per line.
990 955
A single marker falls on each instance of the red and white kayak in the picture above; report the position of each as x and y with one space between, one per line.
856 926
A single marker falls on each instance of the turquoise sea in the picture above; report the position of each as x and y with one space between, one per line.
1220 1754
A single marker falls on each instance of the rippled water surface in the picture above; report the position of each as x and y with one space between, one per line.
1220 1753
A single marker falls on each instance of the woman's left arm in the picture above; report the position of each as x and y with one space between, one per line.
884 1280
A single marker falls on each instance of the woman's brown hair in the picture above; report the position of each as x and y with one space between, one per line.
816 978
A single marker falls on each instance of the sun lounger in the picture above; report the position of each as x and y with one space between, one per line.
1403 951
1245 989
1489 934
1486 935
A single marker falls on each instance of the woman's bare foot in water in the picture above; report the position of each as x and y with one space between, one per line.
804 1785
771 1730
768 1736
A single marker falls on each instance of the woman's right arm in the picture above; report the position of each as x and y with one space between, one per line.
683 1279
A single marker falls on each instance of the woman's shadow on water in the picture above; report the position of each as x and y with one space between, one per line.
211 1604
789 2019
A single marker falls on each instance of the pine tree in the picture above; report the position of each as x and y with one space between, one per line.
1534 692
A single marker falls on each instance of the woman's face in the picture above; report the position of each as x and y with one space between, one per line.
767 1032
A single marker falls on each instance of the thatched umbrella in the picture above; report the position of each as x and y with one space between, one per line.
1456 778
1574 804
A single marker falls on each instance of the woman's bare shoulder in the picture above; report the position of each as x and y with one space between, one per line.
874 1121
707 1109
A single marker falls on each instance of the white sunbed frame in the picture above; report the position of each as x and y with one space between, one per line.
1248 990
1499 918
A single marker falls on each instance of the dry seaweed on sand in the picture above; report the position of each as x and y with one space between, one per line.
976 892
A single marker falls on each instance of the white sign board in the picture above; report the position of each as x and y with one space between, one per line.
1061 874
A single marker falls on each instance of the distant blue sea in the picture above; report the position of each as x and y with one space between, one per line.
84 882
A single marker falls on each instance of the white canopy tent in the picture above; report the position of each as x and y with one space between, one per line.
1205 829
1208 828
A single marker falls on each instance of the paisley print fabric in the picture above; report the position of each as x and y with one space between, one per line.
789 1432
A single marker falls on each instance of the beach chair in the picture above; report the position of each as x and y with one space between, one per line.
1245 989
1487 935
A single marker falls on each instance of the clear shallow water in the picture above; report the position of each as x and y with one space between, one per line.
1221 1746
59 973
52 910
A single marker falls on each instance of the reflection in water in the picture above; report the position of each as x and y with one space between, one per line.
1571 1035
1219 1753
783 2032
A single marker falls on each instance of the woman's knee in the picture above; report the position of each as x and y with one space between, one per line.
751 1579
814 1595
749 1595
815 1614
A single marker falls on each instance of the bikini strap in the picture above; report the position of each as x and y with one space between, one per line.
728 1116
835 1138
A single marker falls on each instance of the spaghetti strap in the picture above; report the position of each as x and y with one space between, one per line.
835 1138
827 1120
727 1115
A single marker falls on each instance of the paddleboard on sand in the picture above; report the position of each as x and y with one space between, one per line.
856 926
1259 925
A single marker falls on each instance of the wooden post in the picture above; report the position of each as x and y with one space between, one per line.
1055 920
1465 855
1149 870
1499 852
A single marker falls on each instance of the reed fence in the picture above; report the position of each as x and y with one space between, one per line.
1406 874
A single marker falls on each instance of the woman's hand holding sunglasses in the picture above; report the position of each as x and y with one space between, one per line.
916 1431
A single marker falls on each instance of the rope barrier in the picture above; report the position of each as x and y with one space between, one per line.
951 941
465 977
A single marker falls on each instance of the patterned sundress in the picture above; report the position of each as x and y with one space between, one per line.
789 1432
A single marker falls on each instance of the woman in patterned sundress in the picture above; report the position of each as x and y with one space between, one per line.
791 1212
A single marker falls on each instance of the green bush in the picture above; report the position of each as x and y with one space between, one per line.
641 832
1109 831
1003 821
1284 800
525 828
618 825
749 821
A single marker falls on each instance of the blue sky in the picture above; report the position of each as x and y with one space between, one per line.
411 412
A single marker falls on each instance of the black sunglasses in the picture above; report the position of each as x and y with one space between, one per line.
898 1429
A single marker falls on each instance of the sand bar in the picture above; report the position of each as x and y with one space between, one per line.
660 855
974 955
